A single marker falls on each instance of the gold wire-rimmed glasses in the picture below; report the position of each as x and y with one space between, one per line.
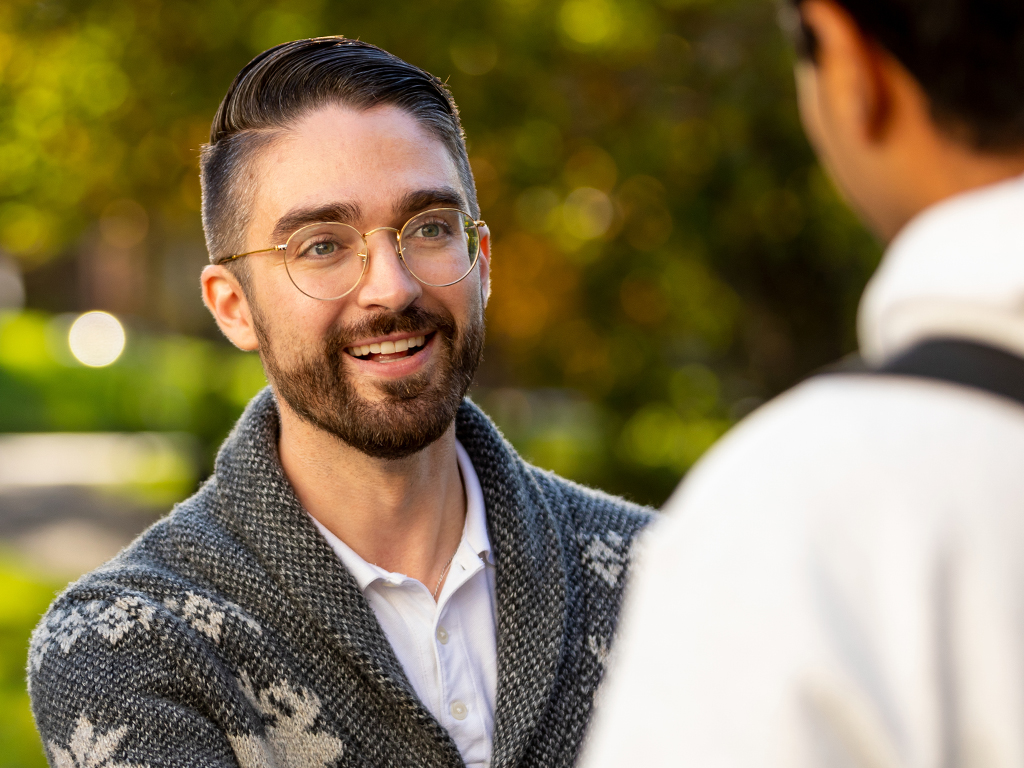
327 259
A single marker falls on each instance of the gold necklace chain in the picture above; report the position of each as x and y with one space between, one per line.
444 571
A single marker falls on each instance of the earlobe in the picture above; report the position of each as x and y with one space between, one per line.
227 302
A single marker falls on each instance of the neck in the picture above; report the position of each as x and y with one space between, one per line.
947 173
404 515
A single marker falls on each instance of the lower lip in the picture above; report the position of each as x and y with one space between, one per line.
400 367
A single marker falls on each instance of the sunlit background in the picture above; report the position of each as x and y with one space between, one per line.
667 254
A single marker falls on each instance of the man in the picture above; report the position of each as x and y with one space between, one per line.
372 576
840 582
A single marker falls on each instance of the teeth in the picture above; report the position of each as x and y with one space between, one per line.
388 347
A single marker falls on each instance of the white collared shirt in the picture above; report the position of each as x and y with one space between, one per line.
448 649
840 581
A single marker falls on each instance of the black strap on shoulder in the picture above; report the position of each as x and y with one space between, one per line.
968 363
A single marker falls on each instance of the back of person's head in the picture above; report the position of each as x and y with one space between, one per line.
911 102
286 83
967 55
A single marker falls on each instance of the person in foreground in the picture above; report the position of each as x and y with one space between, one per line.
840 582
372 576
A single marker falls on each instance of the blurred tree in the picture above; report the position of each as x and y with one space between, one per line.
667 252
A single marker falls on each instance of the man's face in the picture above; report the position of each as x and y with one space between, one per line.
369 169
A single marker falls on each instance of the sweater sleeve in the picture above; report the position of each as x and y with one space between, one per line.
119 681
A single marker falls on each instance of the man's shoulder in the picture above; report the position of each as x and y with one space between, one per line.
588 507
862 408
570 504
865 433
154 581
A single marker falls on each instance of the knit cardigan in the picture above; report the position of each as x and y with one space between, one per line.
229 633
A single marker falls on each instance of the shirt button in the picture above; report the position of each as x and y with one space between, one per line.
459 710
442 635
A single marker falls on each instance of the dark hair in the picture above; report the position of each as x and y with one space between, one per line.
967 55
286 82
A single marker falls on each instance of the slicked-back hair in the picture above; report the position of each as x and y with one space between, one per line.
967 55
286 83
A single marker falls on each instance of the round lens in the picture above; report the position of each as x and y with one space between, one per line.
440 247
325 261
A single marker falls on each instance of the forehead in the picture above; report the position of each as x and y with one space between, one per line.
369 158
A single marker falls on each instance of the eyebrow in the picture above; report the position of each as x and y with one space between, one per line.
348 213
421 199
343 213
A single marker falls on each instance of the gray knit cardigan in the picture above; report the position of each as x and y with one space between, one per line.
229 633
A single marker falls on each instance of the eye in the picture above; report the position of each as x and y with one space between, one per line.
432 229
324 247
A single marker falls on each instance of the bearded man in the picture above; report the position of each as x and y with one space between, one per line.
372 576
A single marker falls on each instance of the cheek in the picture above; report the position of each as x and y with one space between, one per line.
472 300
294 324
809 104
824 132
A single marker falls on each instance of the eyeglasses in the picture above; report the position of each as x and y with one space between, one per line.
326 260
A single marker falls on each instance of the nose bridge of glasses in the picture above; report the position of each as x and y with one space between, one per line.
366 235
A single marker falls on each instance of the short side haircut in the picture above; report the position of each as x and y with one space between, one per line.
967 55
287 82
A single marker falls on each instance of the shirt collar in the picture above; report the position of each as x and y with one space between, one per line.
957 269
365 573
474 532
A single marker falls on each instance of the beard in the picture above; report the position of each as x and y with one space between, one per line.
414 410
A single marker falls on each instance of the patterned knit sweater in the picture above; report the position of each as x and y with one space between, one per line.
229 633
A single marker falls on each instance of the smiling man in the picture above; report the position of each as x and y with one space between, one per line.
372 576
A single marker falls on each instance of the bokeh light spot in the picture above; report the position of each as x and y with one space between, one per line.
587 213
588 21
124 223
474 57
96 339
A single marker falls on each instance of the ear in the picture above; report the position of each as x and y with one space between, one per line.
852 76
485 263
224 297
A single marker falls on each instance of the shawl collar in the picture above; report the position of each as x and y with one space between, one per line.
261 508
530 584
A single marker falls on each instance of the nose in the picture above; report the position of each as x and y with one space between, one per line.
386 284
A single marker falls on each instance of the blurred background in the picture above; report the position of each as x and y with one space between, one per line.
667 253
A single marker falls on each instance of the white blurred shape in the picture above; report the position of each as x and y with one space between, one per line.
69 548
12 290
46 459
96 339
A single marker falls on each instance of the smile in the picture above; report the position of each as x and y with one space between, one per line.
389 351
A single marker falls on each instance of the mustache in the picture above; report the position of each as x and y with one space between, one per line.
409 320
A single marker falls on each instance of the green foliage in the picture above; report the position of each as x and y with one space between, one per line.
26 597
659 219
161 383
